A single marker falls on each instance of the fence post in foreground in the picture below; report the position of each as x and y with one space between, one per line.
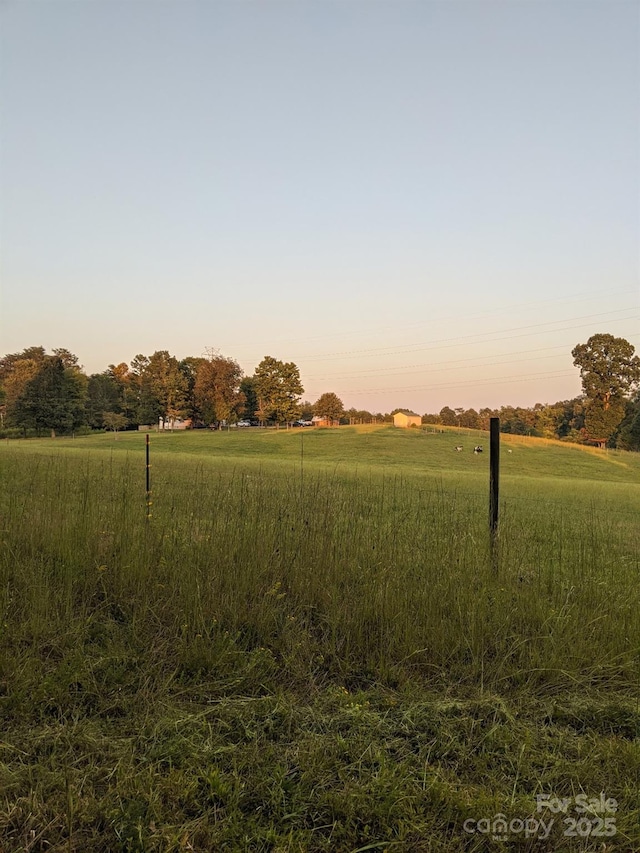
494 483
148 466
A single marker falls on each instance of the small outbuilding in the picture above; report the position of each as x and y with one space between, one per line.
406 418
324 422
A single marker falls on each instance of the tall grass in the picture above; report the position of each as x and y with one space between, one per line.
311 652
367 576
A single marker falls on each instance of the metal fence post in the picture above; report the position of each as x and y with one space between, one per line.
148 468
494 483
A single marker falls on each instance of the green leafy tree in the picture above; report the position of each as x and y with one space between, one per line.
114 421
17 378
448 416
190 367
430 418
569 418
16 370
8 361
123 379
517 421
544 420
306 410
329 406
147 409
217 389
469 418
602 420
609 371
168 385
248 390
484 417
67 358
161 387
54 399
103 395
278 389
628 437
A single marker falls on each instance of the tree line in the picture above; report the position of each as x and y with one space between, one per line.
607 413
44 392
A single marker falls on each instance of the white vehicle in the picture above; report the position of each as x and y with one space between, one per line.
243 423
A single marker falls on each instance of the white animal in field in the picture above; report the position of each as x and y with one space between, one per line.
458 448
509 451
477 448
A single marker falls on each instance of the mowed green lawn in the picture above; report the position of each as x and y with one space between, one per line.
310 645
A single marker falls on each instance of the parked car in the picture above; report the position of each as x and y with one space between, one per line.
244 423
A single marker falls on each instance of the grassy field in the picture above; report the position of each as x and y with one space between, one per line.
309 646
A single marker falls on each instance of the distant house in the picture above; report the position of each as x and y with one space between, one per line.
406 418
174 423
324 422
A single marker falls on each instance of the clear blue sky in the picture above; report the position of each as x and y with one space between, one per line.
419 203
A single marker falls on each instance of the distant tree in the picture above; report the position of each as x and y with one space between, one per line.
139 364
278 389
602 420
306 410
147 409
569 418
123 379
8 361
54 399
217 389
169 385
22 371
609 371
161 388
358 416
103 395
16 370
189 368
544 420
469 418
329 406
248 390
114 421
510 421
67 358
120 372
448 416
628 435
484 416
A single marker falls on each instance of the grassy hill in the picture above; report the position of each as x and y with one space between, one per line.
423 450
309 645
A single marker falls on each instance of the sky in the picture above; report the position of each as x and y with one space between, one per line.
419 203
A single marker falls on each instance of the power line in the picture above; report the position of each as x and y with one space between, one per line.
450 342
526 377
439 364
584 296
